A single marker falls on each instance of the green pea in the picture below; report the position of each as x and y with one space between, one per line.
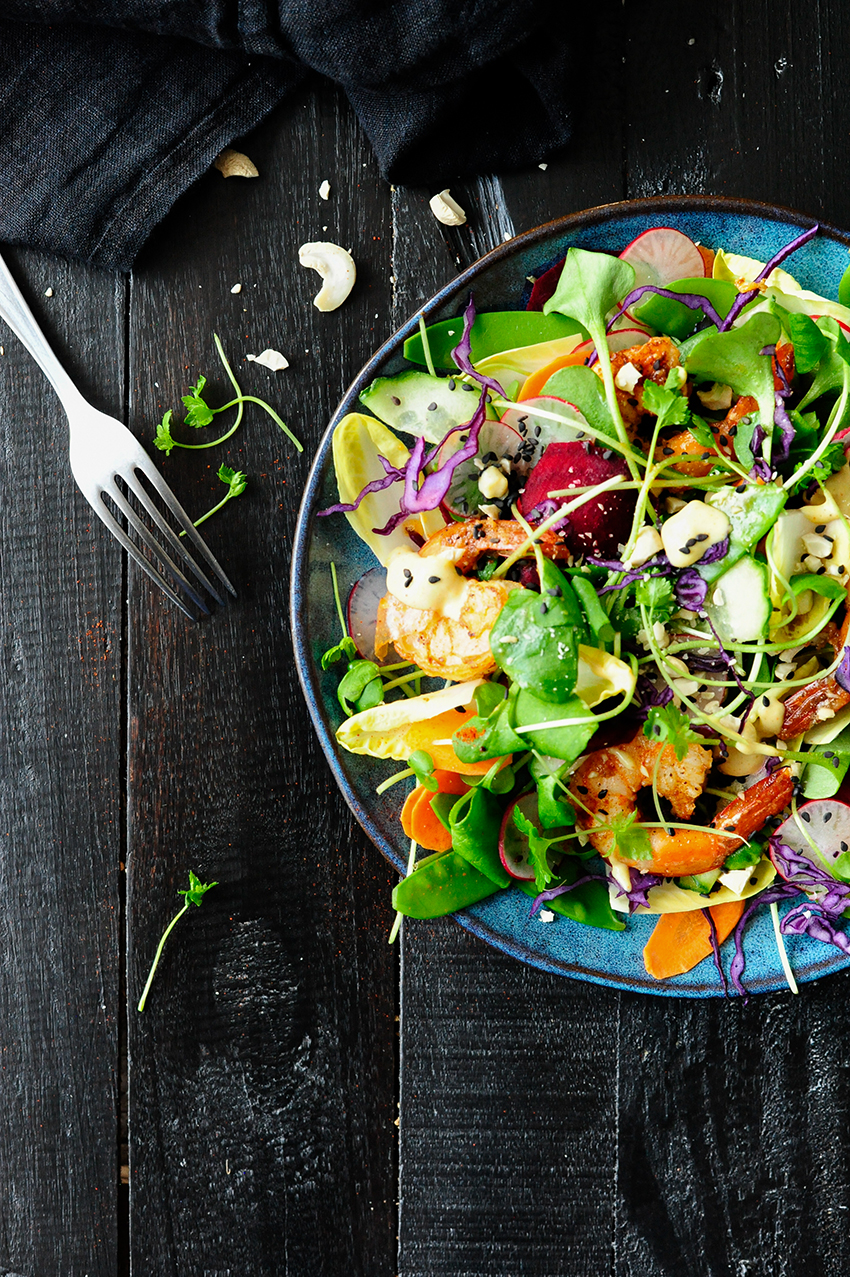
441 884
475 826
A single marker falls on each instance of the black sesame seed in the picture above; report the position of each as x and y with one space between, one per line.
742 487
844 846
434 580
452 383
705 456
821 570
395 401
723 441
668 452
765 700
408 577
432 407
684 549
582 789
806 816
732 431
827 817
603 793
821 527
703 536
544 608
730 829
753 881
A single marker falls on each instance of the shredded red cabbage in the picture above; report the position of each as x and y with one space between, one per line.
715 949
692 300
782 422
435 486
377 485
544 510
551 893
463 351
690 590
744 298
729 662
809 920
769 897
631 574
648 696
640 884
716 552
761 470
800 872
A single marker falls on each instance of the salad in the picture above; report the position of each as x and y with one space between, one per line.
607 634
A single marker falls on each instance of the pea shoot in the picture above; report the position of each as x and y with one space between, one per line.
193 895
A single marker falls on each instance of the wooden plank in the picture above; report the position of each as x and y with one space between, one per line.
262 1091
721 1164
61 610
508 1094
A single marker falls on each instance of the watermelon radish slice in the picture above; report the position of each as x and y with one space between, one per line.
513 844
362 610
827 822
538 432
598 527
495 441
662 255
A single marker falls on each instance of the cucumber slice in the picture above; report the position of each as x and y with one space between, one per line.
739 605
419 404
701 883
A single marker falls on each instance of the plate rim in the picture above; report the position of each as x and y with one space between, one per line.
307 673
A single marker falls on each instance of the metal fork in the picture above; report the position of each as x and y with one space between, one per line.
102 451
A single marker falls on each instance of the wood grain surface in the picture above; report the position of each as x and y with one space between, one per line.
546 1128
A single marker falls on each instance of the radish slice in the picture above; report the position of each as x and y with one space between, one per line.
618 339
538 432
840 322
495 441
662 255
826 821
362 610
513 845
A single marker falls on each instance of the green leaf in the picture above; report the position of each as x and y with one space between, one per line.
494 735
656 594
196 890
163 439
346 649
538 849
422 766
236 480
537 657
670 726
581 386
701 432
668 405
630 839
199 412
548 736
488 697
810 344
552 809
734 359
844 288
359 676
590 285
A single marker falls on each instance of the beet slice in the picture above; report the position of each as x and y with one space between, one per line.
601 526
544 287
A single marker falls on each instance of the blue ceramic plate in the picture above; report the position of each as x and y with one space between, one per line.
498 281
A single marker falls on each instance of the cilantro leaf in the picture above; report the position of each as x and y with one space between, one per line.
669 406
538 849
655 593
670 726
630 839
199 412
236 481
196 890
163 439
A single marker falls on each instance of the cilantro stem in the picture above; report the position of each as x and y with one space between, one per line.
342 624
224 500
193 896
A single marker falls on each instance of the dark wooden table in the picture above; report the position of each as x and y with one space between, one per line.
304 1099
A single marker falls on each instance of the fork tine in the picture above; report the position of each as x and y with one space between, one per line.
150 542
153 477
174 541
103 513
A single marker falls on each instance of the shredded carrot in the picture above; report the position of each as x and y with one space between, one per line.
681 940
533 385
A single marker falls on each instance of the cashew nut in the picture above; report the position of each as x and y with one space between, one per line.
234 164
270 359
336 268
447 210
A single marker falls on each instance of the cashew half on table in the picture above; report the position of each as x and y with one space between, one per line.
336 268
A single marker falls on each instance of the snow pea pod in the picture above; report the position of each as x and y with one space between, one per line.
441 884
589 903
492 332
475 825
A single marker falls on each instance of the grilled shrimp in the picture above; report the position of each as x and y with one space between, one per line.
458 650
476 537
653 360
608 782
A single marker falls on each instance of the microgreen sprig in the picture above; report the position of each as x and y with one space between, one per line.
200 414
193 895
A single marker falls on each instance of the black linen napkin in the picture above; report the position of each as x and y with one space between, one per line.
110 109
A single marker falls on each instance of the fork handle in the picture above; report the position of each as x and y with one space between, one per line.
21 320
